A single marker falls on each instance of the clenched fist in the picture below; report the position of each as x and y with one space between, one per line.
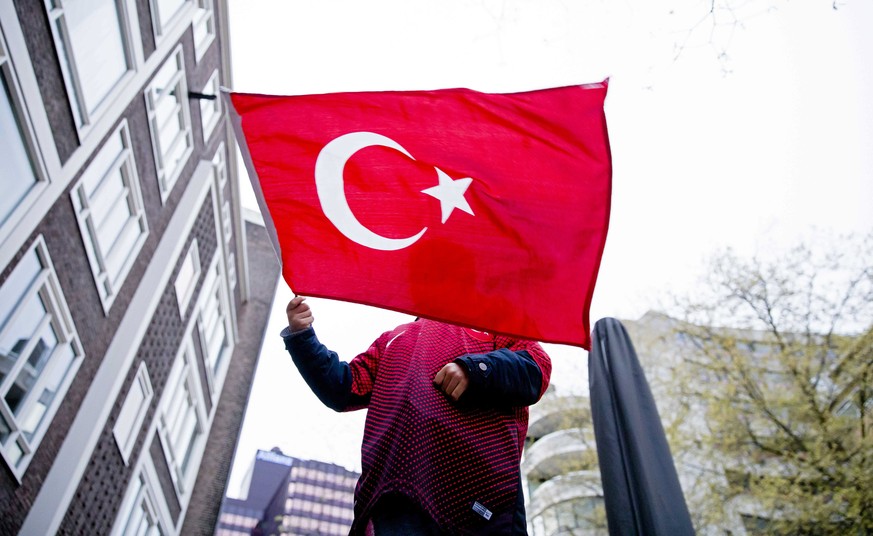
299 315
452 380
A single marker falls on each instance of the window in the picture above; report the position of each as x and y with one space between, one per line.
219 169
213 323
39 355
226 221
169 121
111 216
204 27
231 269
181 421
186 279
133 411
19 180
165 13
93 43
210 110
140 513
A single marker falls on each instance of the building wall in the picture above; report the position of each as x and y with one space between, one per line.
559 469
78 480
108 474
212 479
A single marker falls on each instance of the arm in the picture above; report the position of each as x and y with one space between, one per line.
508 377
336 383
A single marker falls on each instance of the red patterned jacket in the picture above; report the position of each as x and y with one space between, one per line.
459 461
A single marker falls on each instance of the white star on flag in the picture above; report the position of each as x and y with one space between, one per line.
450 194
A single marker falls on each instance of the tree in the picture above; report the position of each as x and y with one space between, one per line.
715 23
783 387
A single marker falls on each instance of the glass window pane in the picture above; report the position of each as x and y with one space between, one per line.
12 291
167 117
203 26
125 243
179 421
171 143
101 201
110 218
15 453
169 121
32 370
17 176
135 520
164 77
101 165
98 47
21 331
5 430
187 277
133 405
167 9
186 446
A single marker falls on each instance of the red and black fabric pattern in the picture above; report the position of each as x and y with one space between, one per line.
459 461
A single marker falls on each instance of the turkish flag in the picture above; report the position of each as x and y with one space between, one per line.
484 210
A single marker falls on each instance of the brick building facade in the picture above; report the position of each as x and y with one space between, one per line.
133 291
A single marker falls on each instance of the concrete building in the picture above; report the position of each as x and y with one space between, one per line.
559 468
285 495
133 292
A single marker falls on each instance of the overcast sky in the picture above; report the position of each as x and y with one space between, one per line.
770 144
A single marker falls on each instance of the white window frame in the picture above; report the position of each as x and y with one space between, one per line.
212 87
231 269
183 16
19 109
215 284
46 286
204 17
132 54
184 371
219 167
144 488
109 284
184 292
133 412
179 87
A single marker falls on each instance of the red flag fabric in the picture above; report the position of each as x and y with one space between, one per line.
484 210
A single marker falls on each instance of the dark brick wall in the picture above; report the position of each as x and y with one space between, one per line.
146 30
214 470
98 496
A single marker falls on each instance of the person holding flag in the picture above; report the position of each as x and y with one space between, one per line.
446 422
450 204
468 209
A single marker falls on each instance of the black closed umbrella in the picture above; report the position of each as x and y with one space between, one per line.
640 487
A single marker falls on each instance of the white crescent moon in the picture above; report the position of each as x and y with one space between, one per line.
331 193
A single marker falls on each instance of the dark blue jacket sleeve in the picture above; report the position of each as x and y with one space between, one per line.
328 377
501 379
